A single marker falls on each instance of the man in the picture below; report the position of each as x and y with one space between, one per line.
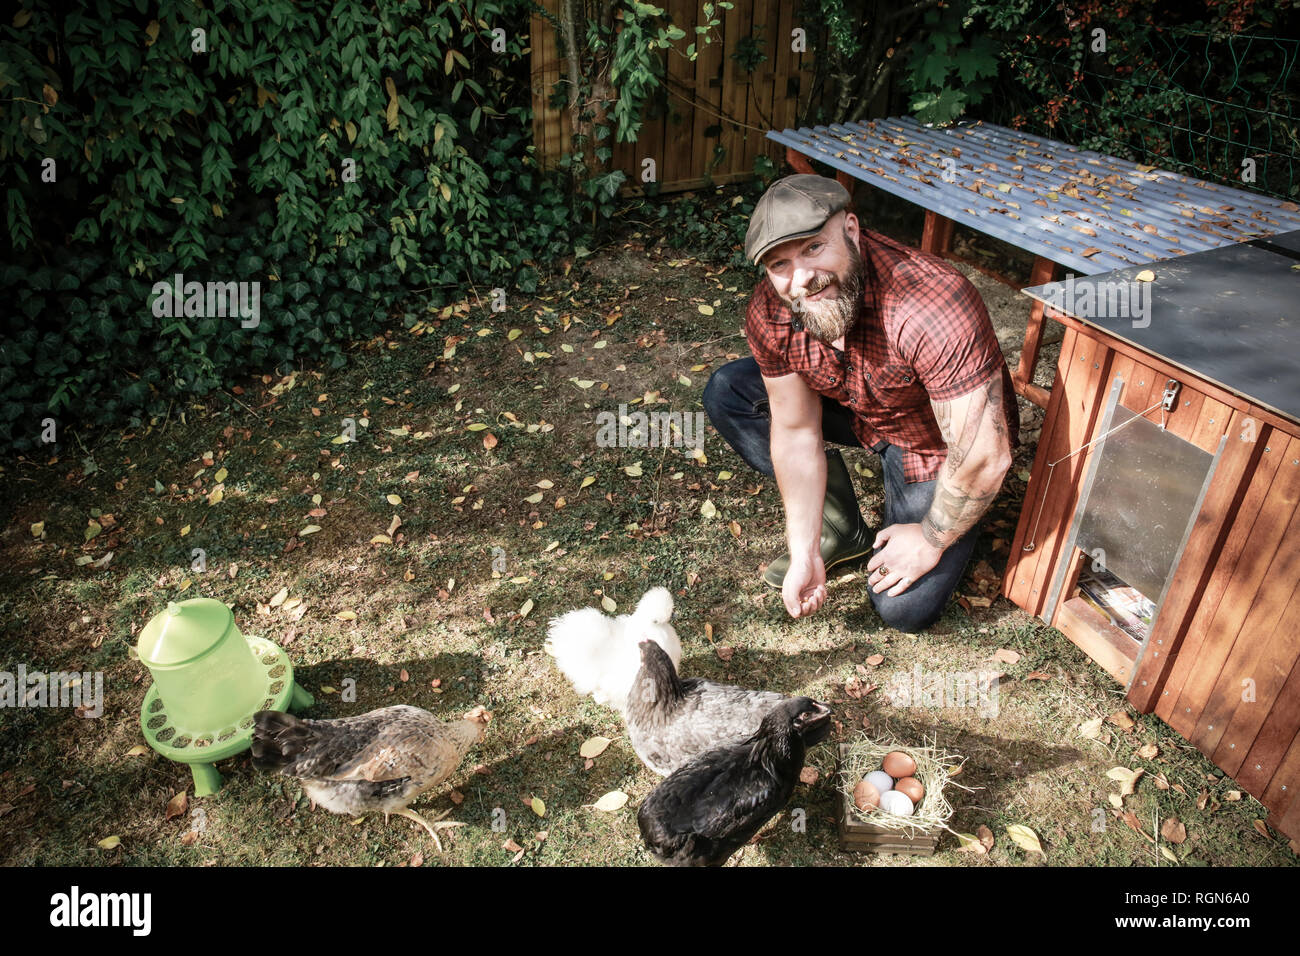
861 341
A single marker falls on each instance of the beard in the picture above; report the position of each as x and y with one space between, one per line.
829 320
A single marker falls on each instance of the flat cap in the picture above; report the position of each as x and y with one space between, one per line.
793 208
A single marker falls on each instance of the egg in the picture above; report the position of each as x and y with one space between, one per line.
865 796
880 780
911 787
898 764
896 803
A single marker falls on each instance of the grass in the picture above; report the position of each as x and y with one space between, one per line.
429 608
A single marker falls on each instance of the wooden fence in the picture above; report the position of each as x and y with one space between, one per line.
715 103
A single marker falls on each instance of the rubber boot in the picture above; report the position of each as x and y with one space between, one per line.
845 535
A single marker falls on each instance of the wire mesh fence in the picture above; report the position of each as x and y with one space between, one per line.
1195 97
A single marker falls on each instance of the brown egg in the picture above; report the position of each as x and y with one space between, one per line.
911 788
898 764
865 796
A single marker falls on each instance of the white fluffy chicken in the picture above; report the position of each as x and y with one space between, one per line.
600 654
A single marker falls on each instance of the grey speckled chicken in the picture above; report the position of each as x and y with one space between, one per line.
670 721
380 761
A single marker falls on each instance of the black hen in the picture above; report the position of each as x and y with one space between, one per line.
671 721
715 804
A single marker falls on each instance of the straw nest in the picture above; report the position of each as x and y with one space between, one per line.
934 768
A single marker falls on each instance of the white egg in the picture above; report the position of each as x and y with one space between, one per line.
880 780
896 803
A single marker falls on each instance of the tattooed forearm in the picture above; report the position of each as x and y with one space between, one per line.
953 512
975 430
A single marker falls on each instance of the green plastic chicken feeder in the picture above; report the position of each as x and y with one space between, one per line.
209 681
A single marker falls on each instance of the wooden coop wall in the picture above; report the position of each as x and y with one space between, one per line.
1222 666
700 93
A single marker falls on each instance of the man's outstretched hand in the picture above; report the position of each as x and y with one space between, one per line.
804 589
905 558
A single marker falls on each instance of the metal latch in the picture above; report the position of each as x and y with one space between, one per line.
1171 394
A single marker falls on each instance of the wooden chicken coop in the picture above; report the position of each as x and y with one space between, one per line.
1161 526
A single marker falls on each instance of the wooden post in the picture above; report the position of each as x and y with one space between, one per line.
798 161
1023 377
936 237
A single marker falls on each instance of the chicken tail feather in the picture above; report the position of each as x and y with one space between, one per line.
278 739
656 606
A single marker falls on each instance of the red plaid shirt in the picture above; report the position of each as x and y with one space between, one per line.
925 335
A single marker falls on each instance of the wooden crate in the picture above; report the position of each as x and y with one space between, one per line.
860 837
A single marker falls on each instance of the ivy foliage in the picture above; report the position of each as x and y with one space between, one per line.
341 155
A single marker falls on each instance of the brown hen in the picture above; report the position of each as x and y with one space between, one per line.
380 761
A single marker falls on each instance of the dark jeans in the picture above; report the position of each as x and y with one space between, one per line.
737 405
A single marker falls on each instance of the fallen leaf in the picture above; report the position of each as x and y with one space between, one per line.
489 441
538 806
725 653
969 844
705 309
1129 817
1127 778
279 597
633 471
139 750
417 859
1168 854
1202 799
986 836
1025 838
1173 830
1121 720
1162 782
403 676
875 660
608 604
1005 656
510 846
527 606
110 843
1263 830
708 509
809 776
1116 800
1232 796
594 747
1146 275
346 615
1038 675
1148 751
614 800
1091 729
177 805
